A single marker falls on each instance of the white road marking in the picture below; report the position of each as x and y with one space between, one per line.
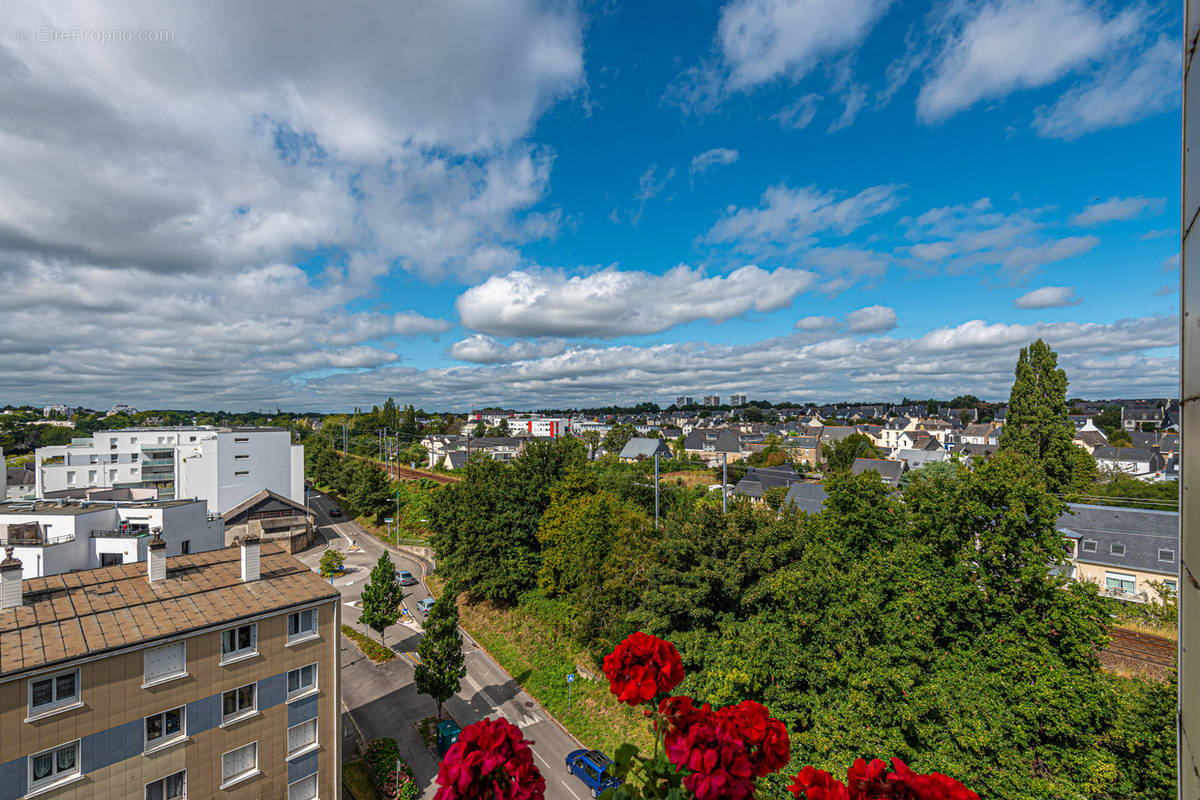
479 690
564 783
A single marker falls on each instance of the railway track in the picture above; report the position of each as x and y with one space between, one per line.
1130 647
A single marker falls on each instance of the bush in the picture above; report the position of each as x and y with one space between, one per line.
381 756
370 648
331 562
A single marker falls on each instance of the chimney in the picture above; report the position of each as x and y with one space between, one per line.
10 581
250 567
156 557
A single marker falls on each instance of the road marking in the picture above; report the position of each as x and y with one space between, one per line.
560 780
479 690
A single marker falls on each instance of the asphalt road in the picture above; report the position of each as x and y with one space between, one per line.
383 701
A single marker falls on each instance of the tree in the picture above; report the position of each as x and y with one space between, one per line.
592 440
616 439
480 430
964 401
381 597
331 562
1109 421
1038 425
442 666
774 496
841 455
370 491
408 422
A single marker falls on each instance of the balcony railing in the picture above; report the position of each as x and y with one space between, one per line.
119 533
48 542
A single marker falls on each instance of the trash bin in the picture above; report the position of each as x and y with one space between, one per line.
447 734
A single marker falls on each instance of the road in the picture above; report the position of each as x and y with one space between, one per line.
383 701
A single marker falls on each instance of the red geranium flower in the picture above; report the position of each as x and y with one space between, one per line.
817 784
679 712
642 667
867 781
908 785
490 760
715 755
766 738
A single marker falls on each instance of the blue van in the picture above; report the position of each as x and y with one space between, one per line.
593 768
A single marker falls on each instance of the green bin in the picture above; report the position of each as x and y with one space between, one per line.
447 734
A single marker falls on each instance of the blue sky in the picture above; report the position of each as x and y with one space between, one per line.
550 204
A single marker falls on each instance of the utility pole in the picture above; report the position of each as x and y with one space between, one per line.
656 491
724 481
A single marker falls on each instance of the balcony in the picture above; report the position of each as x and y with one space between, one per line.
119 533
40 542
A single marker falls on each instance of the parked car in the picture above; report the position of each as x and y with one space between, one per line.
593 768
405 578
425 604
335 512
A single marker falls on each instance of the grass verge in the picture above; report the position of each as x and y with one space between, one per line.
369 647
540 657
356 783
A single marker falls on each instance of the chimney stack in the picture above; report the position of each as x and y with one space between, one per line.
156 558
10 581
250 554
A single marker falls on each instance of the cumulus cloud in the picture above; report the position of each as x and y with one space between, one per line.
614 302
872 319
717 157
482 349
1048 297
991 49
816 323
1118 208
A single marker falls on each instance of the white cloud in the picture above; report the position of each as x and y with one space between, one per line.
788 218
482 349
816 323
1171 263
613 302
1118 208
1127 90
650 185
797 115
872 319
1048 297
717 157
762 40
991 49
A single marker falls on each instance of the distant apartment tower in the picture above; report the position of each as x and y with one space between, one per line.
712 399
209 675
224 466
682 401
737 399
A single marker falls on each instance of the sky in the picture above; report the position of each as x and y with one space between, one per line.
462 204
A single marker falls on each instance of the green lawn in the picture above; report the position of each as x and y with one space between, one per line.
356 783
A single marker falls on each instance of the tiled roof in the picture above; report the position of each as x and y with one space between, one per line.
75 614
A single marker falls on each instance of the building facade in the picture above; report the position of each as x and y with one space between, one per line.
210 675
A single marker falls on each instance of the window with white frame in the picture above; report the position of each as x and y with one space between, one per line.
1166 554
303 789
1170 586
164 663
172 787
239 703
51 766
301 737
166 727
1120 582
53 691
302 625
1089 546
239 641
239 764
1116 549
301 681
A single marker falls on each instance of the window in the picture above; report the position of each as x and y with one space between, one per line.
91 476
185 546
111 559
165 663
303 789
1169 584
172 787
239 764
239 703
50 766
302 625
1089 546
301 680
302 737
241 438
241 456
1120 583
133 440
70 476
1166 554
238 642
1116 549
165 727
53 691
112 474
240 473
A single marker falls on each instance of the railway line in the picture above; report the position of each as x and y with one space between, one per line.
1146 653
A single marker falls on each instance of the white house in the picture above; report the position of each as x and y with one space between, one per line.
53 536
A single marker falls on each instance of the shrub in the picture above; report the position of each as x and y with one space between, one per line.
370 648
381 756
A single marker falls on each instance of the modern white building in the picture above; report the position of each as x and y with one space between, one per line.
54 536
223 466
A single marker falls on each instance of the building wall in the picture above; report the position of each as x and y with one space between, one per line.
110 724
1095 573
236 465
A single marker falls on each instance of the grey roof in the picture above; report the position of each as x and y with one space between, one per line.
890 471
1122 453
458 459
644 448
836 433
1143 439
1142 532
808 497
918 458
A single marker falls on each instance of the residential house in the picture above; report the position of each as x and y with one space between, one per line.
889 471
1125 551
759 479
638 449
917 440
808 497
1141 415
207 675
889 436
19 483
915 459
804 449
270 517
984 433
1136 461
714 445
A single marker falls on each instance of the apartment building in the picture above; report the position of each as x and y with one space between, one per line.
224 466
55 536
211 675
737 399
712 399
1126 552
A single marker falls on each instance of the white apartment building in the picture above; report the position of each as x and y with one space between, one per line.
54 536
223 466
